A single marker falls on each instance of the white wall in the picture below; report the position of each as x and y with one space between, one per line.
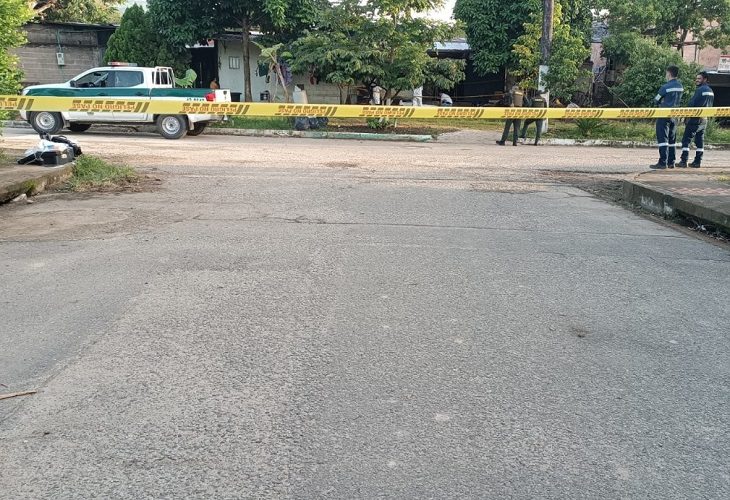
324 93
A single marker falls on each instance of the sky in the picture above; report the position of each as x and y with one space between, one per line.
443 14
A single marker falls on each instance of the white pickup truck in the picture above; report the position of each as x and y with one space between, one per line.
121 80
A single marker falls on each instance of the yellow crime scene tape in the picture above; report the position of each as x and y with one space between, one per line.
180 107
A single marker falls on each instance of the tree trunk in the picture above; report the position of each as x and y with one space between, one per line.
246 32
546 42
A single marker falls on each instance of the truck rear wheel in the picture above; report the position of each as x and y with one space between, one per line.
46 122
79 127
172 126
198 128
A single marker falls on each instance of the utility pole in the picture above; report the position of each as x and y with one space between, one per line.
546 42
546 45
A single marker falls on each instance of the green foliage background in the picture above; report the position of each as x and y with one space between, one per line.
13 15
569 51
137 41
644 74
377 41
85 11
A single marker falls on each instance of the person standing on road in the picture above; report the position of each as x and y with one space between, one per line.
669 96
695 128
537 102
514 99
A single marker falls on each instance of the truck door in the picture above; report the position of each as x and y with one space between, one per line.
91 85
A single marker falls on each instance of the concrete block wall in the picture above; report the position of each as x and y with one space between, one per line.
38 61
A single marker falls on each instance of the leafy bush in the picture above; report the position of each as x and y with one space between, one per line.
589 127
13 14
645 73
380 123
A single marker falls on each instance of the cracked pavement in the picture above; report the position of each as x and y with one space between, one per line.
288 318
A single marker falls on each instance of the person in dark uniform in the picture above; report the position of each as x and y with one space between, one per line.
669 96
537 102
515 99
703 97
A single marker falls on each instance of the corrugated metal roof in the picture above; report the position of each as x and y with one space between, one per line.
456 45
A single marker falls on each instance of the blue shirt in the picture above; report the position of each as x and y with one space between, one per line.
704 97
670 95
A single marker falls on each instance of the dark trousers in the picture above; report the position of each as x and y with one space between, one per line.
666 136
538 134
695 130
515 133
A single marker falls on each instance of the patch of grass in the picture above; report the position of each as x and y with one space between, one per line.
618 130
723 178
255 122
9 115
634 130
92 172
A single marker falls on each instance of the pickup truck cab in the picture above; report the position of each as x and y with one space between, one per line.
121 80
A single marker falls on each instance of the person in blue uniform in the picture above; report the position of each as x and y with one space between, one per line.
669 96
703 97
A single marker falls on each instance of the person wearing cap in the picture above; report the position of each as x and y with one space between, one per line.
514 99
536 102
669 96
695 128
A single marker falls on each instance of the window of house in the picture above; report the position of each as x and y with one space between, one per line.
234 62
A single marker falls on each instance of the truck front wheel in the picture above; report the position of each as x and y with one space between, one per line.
172 126
45 122
198 128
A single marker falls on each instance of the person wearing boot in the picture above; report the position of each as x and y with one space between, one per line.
537 102
695 128
514 99
669 96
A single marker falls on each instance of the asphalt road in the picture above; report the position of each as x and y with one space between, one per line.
320 319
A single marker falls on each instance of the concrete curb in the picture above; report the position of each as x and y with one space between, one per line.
36 182
323 134
305 134
606 143
668 204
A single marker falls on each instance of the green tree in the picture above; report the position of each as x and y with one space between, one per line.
136 40
670 22
13 15
333 51
492 28
647 63
84 11
379 41
569 52
189 21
